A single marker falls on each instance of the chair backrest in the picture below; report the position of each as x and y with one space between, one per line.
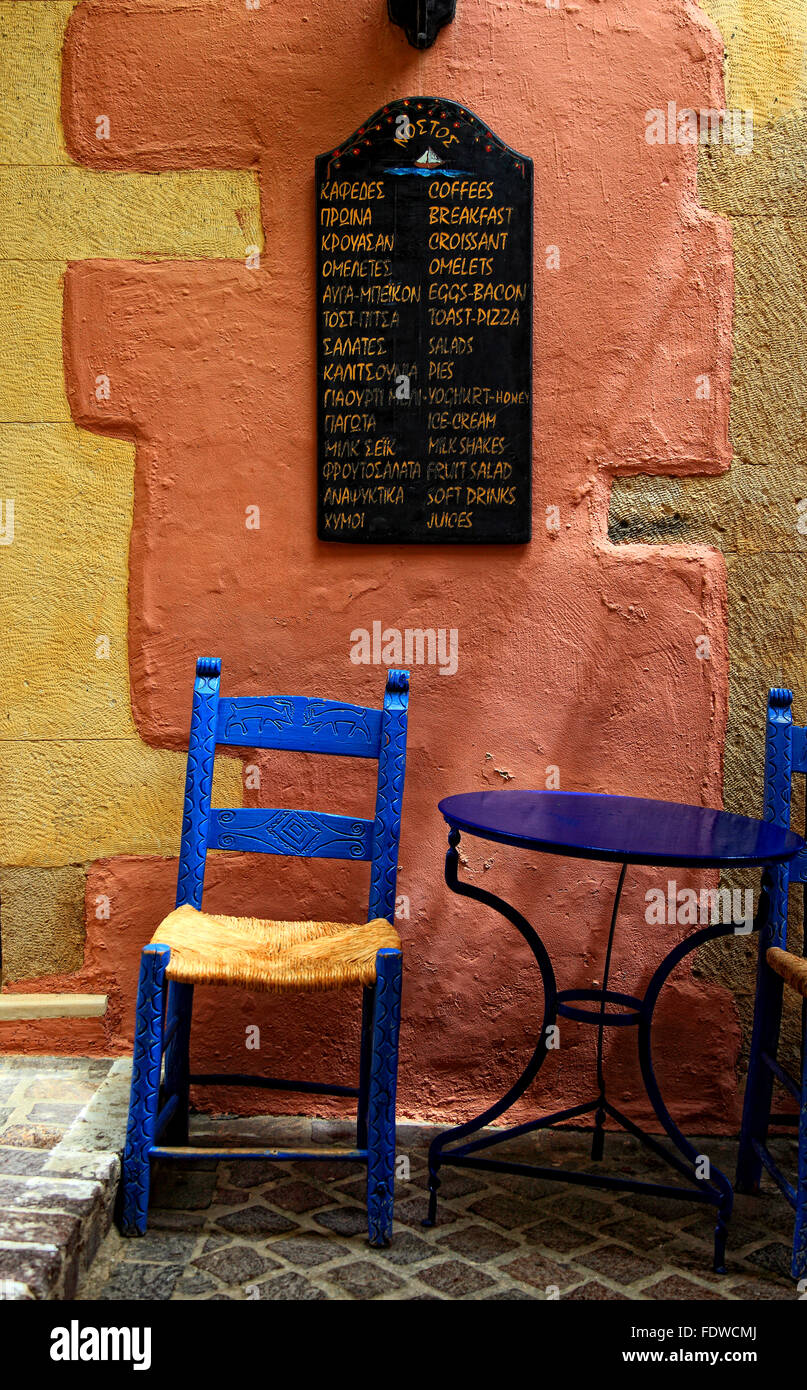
785 754
308 726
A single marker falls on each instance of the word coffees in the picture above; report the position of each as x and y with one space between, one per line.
424 331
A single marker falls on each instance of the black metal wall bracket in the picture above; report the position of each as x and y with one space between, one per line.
421 19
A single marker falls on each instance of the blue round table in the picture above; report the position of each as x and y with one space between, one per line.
623 830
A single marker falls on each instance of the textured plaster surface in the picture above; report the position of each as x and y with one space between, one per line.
572 654
755 511
766 43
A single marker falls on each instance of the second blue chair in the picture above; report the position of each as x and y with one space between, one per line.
777 968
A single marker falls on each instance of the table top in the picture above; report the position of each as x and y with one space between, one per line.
626 829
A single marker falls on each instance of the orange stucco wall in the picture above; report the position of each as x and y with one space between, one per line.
572 654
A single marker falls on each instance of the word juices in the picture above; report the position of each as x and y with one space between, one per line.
424 319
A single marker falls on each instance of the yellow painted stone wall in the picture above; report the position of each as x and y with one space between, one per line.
76 781
753 511
766 55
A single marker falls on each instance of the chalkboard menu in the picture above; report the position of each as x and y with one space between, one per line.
424 331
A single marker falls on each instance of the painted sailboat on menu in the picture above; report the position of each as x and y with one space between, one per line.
425 164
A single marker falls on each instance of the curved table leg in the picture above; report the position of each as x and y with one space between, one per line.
717 1180
519 1086
598 1137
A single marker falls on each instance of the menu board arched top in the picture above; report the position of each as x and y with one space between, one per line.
424 331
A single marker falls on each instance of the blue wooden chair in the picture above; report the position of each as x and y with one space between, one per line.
192 947
785 753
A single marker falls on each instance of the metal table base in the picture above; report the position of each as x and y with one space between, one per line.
711 1186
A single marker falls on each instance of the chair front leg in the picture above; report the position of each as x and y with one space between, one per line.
759 1082
381 1096
799 1264
367 1007
177 1058
144 1101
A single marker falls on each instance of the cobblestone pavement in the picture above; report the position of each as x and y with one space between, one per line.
40 1097
251 1230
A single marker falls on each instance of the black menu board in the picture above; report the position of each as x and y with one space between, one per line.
424 331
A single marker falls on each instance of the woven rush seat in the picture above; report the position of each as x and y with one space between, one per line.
793 969
208 949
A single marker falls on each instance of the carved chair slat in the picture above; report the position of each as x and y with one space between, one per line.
300 724
304 834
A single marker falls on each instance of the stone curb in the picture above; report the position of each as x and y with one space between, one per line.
52 1222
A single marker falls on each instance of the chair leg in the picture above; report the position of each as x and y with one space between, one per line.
759 1083
368 998
381 1098
177 1058
799 1264
143 1104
